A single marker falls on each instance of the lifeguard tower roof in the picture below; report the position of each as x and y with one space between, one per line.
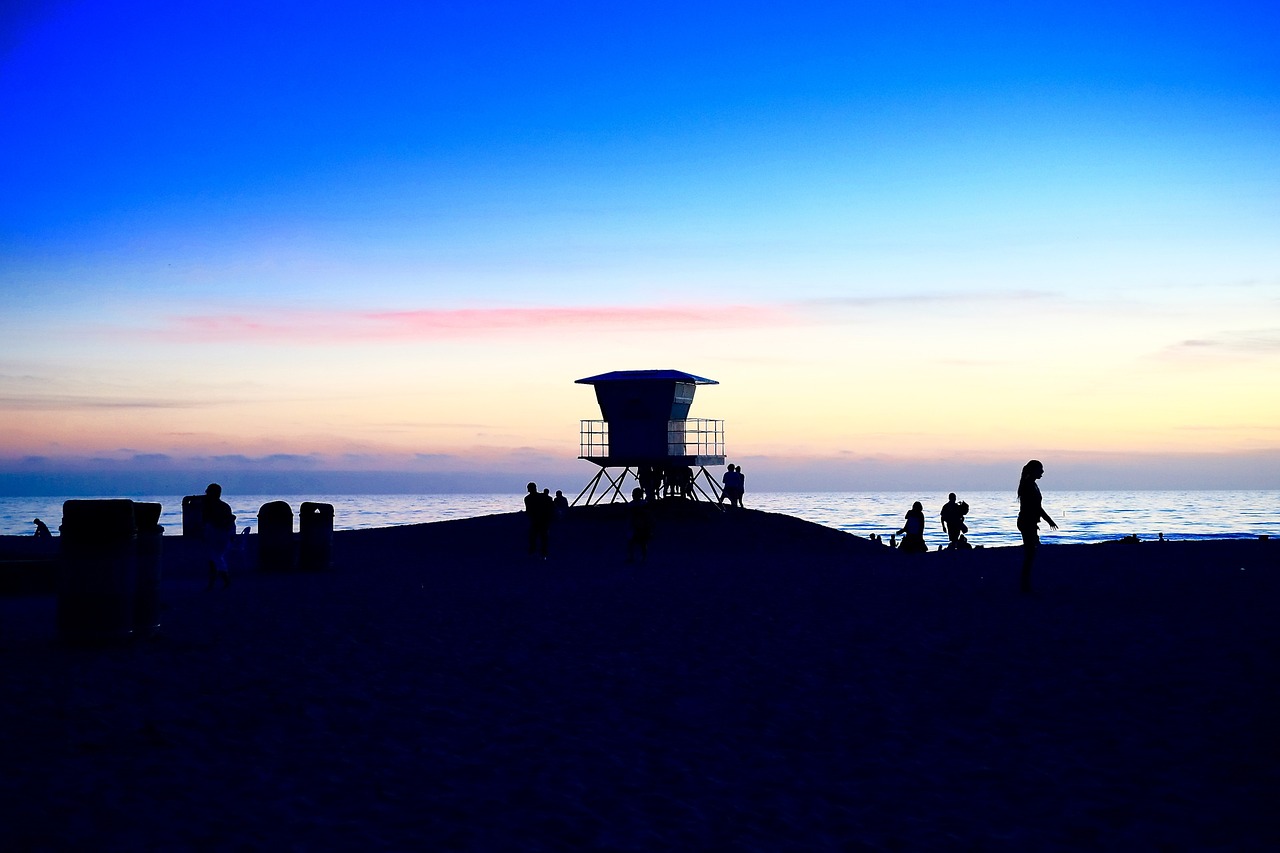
645 375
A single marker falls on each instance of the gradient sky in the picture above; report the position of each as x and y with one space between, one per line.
917 243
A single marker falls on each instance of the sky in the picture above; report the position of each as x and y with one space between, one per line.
371 246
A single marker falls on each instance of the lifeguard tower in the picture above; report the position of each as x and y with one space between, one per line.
645 429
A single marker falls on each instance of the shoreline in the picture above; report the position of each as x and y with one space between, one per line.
33 557
1084 516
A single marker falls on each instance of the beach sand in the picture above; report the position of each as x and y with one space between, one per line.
759 683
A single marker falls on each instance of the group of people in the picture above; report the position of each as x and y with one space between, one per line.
952 519
672 481
1030 512
542 509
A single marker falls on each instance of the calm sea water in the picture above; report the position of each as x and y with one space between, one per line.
1082 516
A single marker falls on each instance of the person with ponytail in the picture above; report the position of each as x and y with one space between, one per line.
1030 511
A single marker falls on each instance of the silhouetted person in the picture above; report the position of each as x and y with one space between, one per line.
560 503
219 528
725 488
650 481
641 525
673 481
42 530
913 531
734 485
537 505
1030 511
952 517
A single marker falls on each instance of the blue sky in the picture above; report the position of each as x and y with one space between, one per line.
1051 223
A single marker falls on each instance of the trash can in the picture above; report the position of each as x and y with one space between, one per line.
275 537
146 601
97 575
193 516
315 530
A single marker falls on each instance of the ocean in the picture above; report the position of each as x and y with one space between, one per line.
1082 516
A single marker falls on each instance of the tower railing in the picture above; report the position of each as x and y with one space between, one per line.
593 439
685 437
695 437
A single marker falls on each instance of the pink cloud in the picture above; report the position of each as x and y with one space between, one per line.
328 327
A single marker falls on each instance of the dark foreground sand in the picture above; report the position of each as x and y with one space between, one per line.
760 684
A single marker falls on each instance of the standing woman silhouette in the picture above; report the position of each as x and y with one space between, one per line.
1030 511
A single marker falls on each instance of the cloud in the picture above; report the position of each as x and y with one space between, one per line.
332 327
288 459
1246 343
432 425
65 402
271 460
915 300
1229 428
294 326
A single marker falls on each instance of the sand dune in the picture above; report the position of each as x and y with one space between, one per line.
760 683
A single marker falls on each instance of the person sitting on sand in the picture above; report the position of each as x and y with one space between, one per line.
42 530
1030 511
641 525
538 506
219 528
913 531
560 503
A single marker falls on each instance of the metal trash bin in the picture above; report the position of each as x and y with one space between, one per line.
275 537
97 575
315 530
193 516
146 601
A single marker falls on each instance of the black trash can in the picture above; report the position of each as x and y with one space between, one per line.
97 576
193 516
275 537
146 602
315 530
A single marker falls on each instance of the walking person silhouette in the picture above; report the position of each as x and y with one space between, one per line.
1030 511
952 516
